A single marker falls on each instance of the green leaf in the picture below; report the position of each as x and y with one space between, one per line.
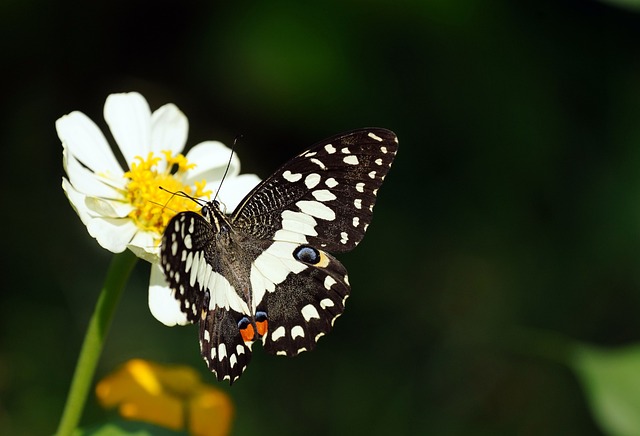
126 428
611 379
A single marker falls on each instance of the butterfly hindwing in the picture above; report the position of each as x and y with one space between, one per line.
221 344
304 306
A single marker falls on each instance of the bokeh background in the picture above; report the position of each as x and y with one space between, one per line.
512 211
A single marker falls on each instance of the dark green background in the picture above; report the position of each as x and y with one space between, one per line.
513 204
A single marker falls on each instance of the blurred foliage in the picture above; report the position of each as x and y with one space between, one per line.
630 4
513 202
127 428
611 380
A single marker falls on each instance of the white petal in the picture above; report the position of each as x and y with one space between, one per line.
211 158
88 182
162 304
85 142
92 195
234 189
112 234
169 129
77 201
94 206
144 246
129 119
108 208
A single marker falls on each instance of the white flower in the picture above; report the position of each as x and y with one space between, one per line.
125 208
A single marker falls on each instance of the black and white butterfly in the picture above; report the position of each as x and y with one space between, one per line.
265 272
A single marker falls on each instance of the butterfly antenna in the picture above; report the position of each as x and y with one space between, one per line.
180 194
226 170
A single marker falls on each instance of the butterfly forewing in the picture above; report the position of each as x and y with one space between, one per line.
187 238
266 272
325 195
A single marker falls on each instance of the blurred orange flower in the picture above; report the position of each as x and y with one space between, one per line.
169 396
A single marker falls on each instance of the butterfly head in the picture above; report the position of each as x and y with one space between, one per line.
208 208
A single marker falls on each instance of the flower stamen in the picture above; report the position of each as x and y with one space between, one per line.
143 192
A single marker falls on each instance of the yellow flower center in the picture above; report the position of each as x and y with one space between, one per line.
154 207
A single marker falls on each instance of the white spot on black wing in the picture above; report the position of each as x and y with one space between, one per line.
318 162
291 177
374 136
316 209
222 352
297 332
278 333
310 312
351 160
312 180
327 302
323 195
331 182
328 282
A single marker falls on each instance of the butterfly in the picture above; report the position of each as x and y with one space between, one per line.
265 272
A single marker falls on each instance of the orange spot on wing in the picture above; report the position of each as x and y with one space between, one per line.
247 333
262 327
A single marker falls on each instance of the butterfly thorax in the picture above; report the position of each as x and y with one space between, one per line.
232 251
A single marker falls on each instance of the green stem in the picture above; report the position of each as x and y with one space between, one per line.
117 276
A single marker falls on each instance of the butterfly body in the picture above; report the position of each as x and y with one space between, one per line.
265 272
